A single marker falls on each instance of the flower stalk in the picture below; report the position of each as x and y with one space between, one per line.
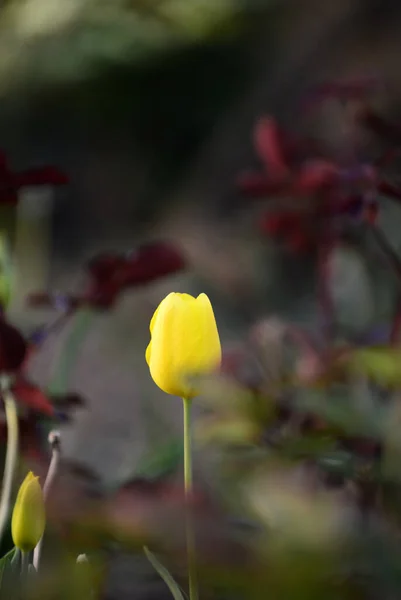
11 452
54 441
189 531
24 565
67 359
184 342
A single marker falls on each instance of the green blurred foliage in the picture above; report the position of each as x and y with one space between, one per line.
381 365
54 41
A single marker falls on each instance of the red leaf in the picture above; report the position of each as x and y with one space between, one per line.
32 397
31 447
313 176
299 242
352 205
379 126
371 212
388 189
40 176
269 147
103 266
258 185
152 261
13 348
102 295
279 223
112 273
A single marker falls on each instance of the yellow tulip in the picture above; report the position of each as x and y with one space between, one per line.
28 520
184 343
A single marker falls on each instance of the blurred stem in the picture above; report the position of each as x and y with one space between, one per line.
154 423
54 326
395 263
11 454
396 324
327 246
70 350
187 447
190 539
324 294
24 565
392 257
50 477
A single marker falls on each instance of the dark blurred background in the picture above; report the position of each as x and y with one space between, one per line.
148 106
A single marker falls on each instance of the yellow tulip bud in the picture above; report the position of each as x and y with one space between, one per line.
184 343
28 520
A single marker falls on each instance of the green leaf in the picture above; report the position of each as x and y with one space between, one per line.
164 574
341 413
308 446
380 364
338 462
9 565
162 462
83 320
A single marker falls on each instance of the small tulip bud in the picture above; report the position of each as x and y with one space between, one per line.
28 520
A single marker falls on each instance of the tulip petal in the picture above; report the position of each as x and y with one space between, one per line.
148 353
185 343
165 301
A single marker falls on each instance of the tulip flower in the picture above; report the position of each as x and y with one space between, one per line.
184 343
28 520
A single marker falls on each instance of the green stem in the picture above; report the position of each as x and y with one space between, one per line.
11 456
187 447
189 531
155 425
24 565
70 350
